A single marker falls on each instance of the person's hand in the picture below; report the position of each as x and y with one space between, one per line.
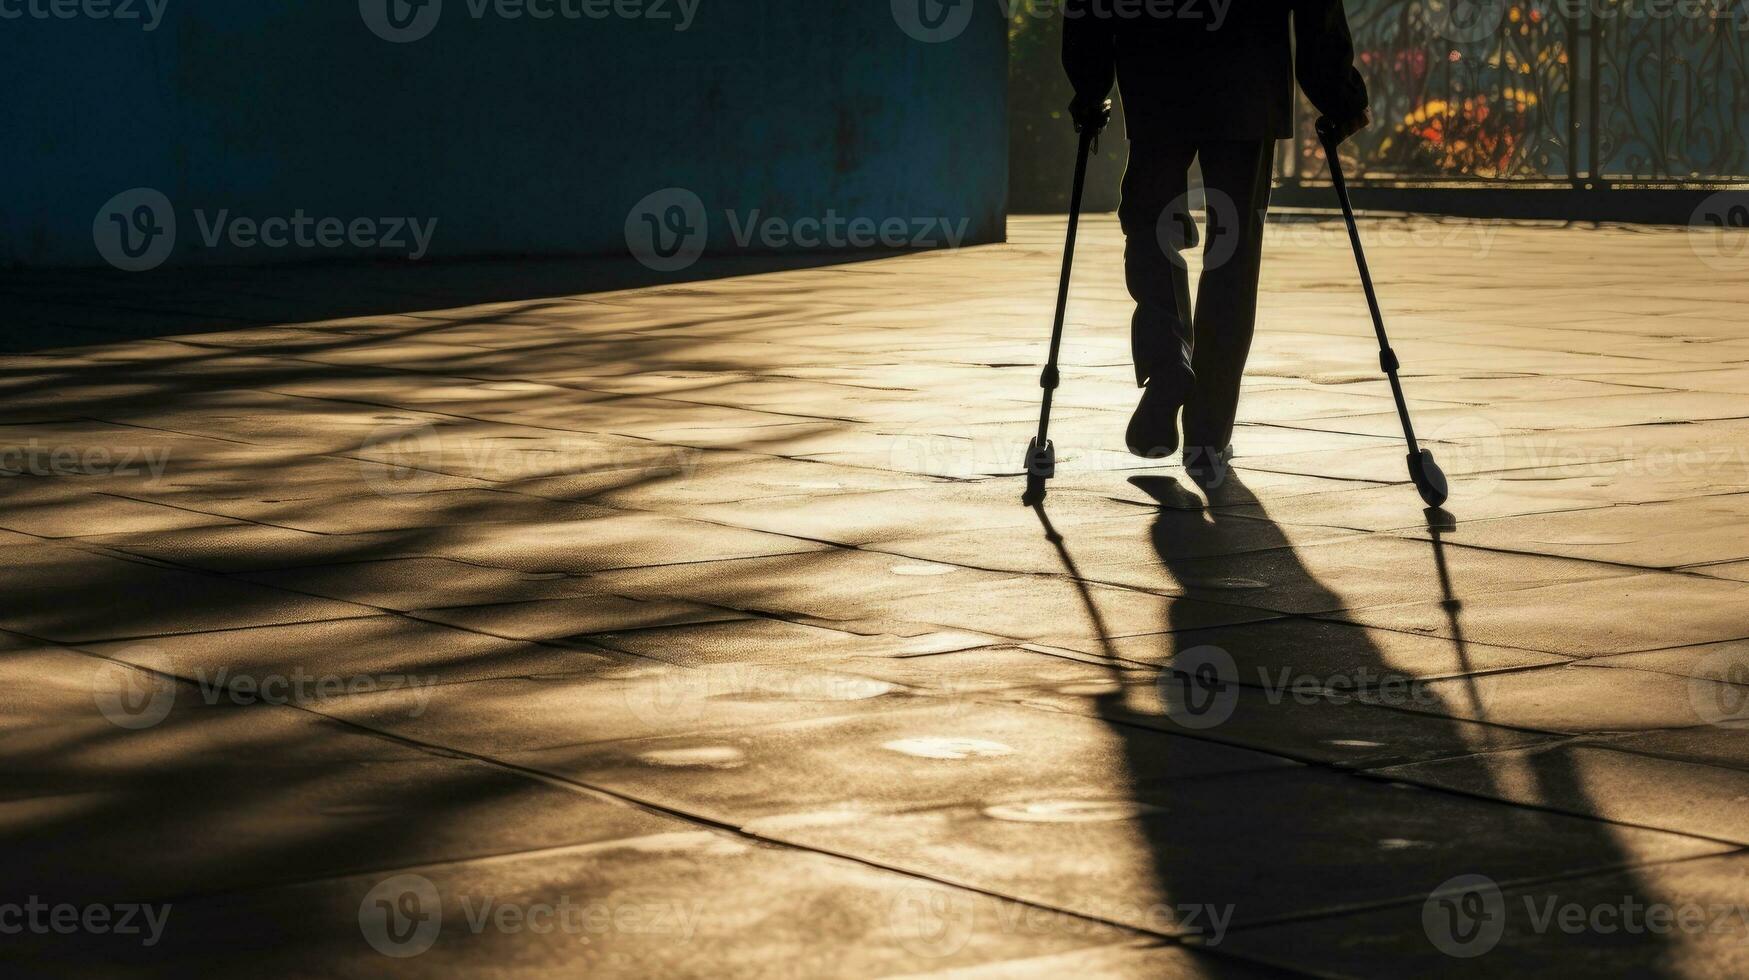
1088 114
1336 130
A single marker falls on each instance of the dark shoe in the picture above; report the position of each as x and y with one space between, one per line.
1153 431
1207 466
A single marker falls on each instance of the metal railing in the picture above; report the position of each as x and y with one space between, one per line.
1589 97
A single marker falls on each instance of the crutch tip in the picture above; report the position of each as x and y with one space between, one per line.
1428 478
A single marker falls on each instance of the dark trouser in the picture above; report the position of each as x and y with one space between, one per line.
1205 354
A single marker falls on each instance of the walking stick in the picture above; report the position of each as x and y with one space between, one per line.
1041 455
1429 480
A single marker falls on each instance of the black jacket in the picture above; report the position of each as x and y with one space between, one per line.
1198 68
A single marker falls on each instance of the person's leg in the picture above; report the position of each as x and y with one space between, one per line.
1156 227
1236 180
1154 181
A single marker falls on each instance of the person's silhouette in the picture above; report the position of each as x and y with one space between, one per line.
1212 82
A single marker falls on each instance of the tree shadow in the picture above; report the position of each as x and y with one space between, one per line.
52 309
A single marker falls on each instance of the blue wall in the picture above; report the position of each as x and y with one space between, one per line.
520 136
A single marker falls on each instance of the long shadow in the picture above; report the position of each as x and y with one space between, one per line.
1330 837
50 309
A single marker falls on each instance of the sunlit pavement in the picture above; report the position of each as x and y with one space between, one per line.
698 630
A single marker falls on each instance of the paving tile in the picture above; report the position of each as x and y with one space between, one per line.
1056 611
574 620
32 505
414 583
865 518
607 540
1577 699
97 791
673 900
1605 782
1338 655
498 717
771 569
827 584
1346 840
720 476
1712 745
777 641
1114 551
1289 717
336 657
1582 619
1654 535
933 753
1727 663
1128 961
1736 571
236 546
1349 573
68 596
1527 942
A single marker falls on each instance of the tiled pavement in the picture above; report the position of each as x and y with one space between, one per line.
697 630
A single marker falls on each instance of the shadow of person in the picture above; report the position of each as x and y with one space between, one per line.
1273 843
